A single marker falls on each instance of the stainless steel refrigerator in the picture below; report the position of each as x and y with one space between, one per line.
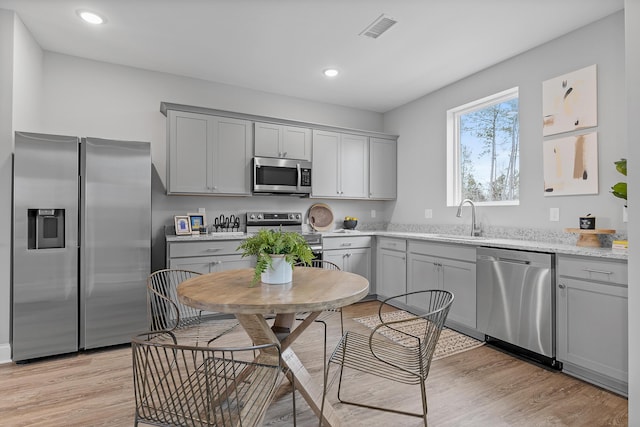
81 243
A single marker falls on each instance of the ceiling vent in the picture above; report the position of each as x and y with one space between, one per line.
378 27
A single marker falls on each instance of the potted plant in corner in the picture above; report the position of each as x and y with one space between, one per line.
276 252
620 189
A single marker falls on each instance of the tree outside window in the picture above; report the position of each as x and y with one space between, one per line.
484 149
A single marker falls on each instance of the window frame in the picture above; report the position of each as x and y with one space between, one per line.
454 178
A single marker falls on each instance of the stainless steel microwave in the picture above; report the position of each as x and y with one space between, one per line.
284 176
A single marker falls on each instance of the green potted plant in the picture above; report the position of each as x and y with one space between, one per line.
276 250
620 189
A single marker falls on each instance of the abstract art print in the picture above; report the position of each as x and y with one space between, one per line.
571 165
570 102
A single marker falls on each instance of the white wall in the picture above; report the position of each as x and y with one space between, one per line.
422 129
632 39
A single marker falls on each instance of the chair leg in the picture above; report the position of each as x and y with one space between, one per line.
423 392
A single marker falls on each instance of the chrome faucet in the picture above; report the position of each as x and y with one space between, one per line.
475 231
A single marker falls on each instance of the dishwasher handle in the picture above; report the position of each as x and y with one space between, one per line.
491 258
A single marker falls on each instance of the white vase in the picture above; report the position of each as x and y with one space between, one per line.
279 273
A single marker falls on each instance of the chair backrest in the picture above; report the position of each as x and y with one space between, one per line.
438 303
165 311
320 263
202 386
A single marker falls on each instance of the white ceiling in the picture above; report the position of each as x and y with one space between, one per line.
282 46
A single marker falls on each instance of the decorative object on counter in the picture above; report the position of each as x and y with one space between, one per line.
589 238
276 249
588 222
224 224
350 222
198 223
183 226
620 245
321 217
620 189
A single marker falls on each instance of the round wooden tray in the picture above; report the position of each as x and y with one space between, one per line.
589 238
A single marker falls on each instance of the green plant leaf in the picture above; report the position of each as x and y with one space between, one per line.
620 190
621 166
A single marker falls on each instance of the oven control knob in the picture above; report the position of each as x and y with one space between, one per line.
297 216
259 216
252 216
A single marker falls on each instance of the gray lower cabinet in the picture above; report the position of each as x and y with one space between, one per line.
207 256
448 267
591 320
208 155
352 254
391 268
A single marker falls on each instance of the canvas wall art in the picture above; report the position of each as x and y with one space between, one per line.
570 102
571 165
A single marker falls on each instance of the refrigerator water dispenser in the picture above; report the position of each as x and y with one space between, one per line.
45 228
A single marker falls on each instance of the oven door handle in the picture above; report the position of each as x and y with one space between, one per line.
299 182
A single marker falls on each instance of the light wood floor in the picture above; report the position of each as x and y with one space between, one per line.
481 387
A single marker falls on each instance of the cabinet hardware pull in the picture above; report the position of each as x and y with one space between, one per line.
598 271
213 249
345 244
562 286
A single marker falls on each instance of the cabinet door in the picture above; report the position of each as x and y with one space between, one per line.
324 180
337 257
382 168
296 143
201 265
391 279
354 166
231 172
359 262
188 152
459 278
422 274
592 326
267 139
230 262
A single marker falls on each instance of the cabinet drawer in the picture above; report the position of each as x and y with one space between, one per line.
185 249
392 244
346 242
597 269
443 250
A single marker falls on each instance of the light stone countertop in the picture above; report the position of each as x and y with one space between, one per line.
536 246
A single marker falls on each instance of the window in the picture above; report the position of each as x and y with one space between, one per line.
483 148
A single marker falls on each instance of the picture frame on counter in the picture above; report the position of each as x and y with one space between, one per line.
197 222
183 225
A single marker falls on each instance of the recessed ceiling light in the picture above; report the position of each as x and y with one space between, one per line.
91 17
330 72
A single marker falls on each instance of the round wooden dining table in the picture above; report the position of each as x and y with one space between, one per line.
311 290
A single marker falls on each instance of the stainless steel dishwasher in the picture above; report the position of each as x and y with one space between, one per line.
516 300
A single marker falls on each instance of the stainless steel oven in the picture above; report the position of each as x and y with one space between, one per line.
283 176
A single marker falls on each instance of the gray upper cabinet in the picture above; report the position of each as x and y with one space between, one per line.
340 165
383 166
208 154
286 142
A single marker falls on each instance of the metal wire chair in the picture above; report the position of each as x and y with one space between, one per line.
166 312
404 363
181 385
326 314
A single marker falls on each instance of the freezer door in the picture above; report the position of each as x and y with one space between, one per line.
45 274
116 240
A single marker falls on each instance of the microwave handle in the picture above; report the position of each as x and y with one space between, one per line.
299 175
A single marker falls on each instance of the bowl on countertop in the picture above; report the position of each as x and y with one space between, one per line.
350 224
